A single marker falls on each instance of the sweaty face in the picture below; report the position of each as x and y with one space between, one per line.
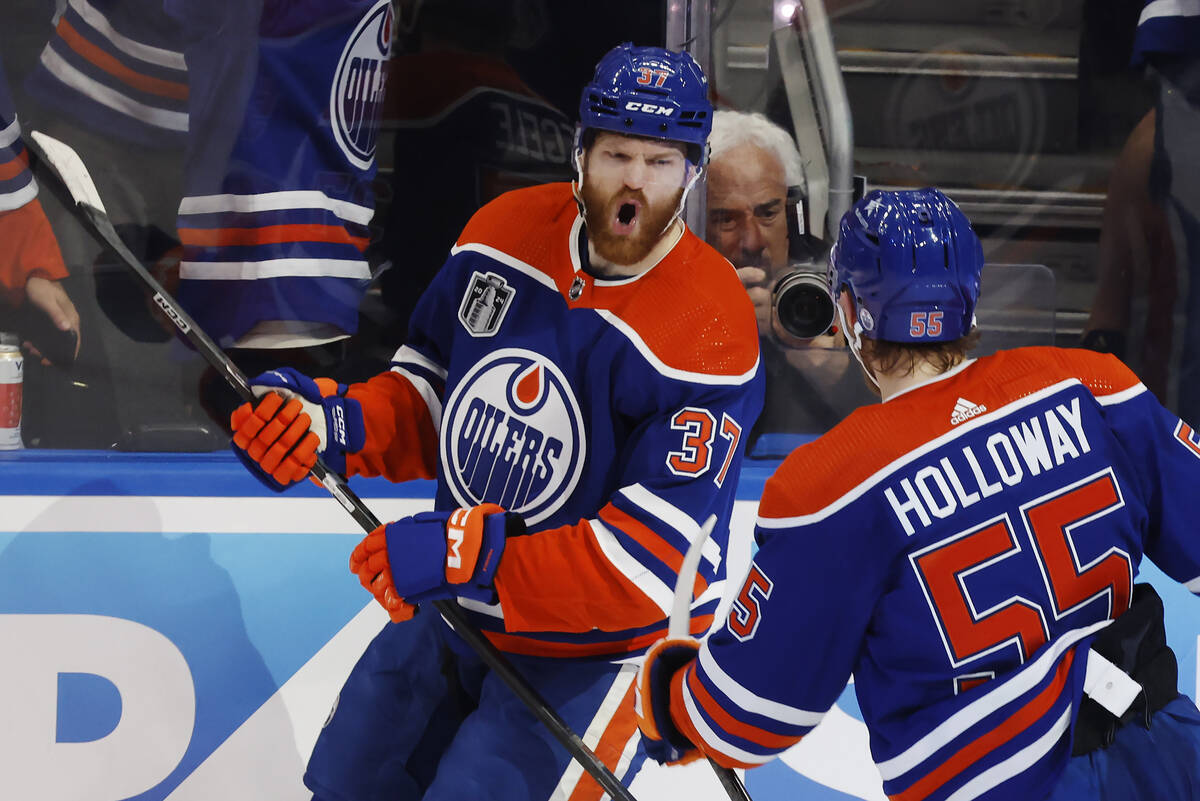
631 189
747 198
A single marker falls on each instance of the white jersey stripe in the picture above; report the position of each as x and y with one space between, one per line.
595 730
107 96
432 402
505 259
674 517
983 706
286 200
274 268
10 133
1019 762
627 754
1193 585
139 50
918 453
17 199
713 592
410 354
663 368
752 703
1169 8
1122 396
638 574
714 740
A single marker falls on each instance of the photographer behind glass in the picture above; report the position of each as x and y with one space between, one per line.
755 205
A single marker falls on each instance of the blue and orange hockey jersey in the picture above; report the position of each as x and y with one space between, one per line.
609 413
29 245
117 66
285 100
955 549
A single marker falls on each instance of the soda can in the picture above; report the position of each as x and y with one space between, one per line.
12 366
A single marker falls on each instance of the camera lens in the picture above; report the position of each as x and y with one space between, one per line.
803 305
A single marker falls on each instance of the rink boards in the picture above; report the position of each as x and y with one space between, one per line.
172 631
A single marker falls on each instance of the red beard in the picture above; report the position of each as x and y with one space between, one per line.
601 213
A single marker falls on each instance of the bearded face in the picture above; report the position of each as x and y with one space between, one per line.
631 192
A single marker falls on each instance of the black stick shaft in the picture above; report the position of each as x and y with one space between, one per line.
101 227
730 781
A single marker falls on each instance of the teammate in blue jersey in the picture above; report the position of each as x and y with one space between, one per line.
285 103
578 378
966 550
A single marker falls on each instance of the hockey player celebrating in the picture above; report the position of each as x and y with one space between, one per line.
577 378
966 550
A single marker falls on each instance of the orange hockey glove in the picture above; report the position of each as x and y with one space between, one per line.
370 561
435 555
297 418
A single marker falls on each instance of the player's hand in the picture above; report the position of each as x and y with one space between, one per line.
370 561
52 300
436 555
664 666
296 418
754 279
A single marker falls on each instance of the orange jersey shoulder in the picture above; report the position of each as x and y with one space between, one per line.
691 311
532 225
874 437
688 313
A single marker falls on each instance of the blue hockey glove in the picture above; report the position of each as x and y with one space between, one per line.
297 418
436 555
664 665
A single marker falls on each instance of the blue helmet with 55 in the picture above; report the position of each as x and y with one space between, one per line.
652 92
911 262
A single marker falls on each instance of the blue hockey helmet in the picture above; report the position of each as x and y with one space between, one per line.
649 91
912 263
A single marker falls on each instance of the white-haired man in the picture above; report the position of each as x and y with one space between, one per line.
752 163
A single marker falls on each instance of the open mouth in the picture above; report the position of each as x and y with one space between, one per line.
626 220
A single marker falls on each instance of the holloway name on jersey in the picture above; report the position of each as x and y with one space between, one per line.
960 480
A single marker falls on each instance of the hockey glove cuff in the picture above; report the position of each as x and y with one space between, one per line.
297 418
662 670
437 555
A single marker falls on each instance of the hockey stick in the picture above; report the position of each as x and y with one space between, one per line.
72 176
677 628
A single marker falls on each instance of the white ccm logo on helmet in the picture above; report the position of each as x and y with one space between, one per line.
512 434
649 108
358 84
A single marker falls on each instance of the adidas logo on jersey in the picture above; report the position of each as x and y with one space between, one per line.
964 410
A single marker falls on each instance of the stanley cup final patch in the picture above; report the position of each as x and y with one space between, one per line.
485 303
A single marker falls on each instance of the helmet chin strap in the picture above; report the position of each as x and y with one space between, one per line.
854 340
683 197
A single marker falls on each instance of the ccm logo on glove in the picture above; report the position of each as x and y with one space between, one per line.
465 546
436 555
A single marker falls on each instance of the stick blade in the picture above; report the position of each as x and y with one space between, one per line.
65 163
677 623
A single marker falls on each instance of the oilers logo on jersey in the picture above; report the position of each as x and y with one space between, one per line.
358 85
485 303
513 435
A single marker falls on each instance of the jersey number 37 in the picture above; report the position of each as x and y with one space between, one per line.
699 429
